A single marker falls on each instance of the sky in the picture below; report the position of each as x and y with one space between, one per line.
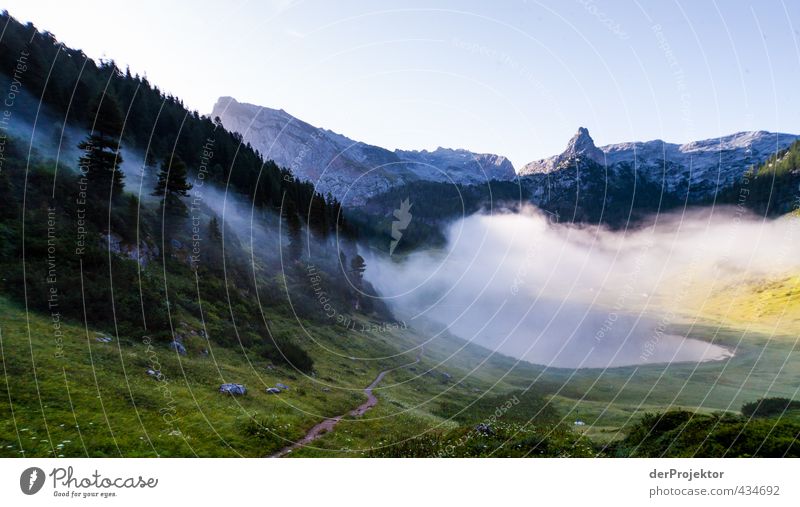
516 78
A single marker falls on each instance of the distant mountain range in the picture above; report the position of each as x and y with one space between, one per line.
350 170
354 171
709 164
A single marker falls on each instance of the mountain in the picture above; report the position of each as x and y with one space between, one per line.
461 165
704 166
350 170
581 145
619 185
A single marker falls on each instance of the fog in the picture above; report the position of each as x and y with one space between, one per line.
577 296
34 127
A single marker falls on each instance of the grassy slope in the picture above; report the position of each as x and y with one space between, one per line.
102 390
118 406
768 306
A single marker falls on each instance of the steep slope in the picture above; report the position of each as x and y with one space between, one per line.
350 170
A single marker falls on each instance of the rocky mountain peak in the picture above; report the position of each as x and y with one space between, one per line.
582 145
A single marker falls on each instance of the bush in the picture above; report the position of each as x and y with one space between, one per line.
765 407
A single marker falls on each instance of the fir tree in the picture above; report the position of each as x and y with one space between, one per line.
101 149
317 218
358 266
293 228
172 185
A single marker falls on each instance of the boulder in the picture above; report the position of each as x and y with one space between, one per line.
233 389
177 347
282 387
273 390
103 338
484 429
153 373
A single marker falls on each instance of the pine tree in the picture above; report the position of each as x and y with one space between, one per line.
358 266
317 219
213 258
293 228
213 230
101 149
172 185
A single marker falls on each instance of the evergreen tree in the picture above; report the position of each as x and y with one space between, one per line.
101 149
212 257
317 218
214 232
358 266
293 228
172 185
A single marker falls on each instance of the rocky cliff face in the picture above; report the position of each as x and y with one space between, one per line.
350 170
354 171
701 165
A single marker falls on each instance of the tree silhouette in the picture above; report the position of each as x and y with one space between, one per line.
293 228
172 185
101 150
358 266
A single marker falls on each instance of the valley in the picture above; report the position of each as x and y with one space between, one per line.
245 284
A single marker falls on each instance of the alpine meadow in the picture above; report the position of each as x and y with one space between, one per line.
189 270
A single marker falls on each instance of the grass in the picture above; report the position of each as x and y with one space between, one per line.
87 398
611 400
95 399
769 306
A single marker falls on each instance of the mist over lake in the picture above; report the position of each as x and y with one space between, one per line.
573 296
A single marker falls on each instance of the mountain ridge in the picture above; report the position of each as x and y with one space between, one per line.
722 160
354 171
351 170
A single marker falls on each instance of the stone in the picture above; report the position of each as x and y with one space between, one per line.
484 429
282 387
273 390
177 347
103 338
233 389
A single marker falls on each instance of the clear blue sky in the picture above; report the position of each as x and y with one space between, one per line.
515 78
